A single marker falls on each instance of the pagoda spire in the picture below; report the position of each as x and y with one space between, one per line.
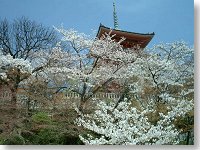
116 25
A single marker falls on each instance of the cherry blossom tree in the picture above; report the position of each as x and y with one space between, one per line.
126 125
15 71
21 40
90 64
12 72
170 64
162 70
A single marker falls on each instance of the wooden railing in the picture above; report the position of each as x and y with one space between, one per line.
62 99
98 95
7 95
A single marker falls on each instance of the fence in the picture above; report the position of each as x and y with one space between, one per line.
63 99
70 95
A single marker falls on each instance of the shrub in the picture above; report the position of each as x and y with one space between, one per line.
13 140
41 117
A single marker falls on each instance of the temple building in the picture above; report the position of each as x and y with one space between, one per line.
131 38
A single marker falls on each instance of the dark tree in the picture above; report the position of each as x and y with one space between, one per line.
23 37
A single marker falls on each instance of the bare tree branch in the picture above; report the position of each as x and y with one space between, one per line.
23 36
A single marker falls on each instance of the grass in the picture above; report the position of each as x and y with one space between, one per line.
40 128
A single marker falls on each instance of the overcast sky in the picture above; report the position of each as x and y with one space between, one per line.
171 20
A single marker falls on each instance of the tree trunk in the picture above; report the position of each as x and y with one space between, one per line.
188 138
13 90
83 99
82 105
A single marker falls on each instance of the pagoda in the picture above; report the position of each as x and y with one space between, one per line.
131 38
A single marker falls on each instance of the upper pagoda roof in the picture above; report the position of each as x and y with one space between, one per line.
132 38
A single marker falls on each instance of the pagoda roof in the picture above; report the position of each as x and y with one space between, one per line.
131 38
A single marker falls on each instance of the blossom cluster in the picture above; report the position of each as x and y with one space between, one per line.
8 63
127 125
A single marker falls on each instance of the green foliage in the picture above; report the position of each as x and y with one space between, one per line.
41 129
45 136
51 136
41 117
68 139
1 141
1 121
13 140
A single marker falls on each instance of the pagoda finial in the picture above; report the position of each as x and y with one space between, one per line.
115 16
